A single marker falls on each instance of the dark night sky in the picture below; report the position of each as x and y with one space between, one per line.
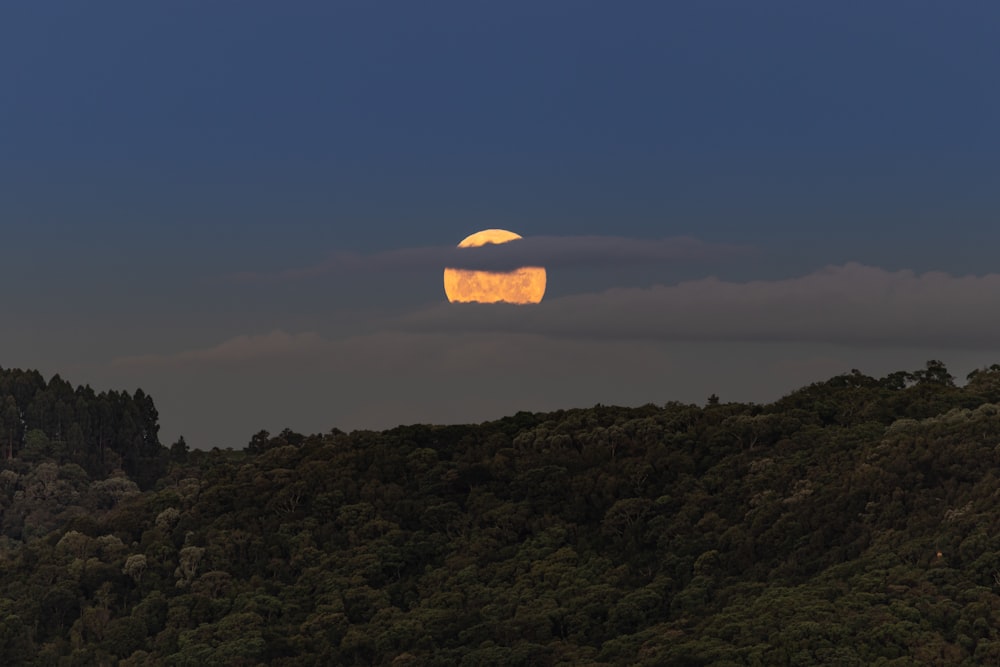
241 206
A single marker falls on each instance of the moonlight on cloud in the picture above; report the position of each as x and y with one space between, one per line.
520 286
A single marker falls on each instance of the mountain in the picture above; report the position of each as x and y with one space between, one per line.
852 522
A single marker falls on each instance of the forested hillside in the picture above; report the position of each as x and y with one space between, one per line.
852 522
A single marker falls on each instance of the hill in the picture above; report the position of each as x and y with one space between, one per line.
852 522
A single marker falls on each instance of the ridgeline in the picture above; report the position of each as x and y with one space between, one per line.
852 522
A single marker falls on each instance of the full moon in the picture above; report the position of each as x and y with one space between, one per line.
523 285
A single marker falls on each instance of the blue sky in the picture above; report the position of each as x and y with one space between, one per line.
152 156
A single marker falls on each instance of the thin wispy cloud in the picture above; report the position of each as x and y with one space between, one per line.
552 252
380 354
238 350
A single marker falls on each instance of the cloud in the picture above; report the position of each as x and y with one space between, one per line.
390 378
384 379
552 252
277 345
380 354
751 340
851 304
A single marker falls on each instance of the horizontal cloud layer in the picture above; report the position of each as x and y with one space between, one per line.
550 252
743 340
851 304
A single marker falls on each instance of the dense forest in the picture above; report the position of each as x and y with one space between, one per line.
852 522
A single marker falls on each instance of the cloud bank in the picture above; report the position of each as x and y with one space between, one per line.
458 363
851 304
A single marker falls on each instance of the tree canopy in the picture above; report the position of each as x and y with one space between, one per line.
851 522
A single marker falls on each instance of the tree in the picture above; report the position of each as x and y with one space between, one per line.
124 636
260 442
985 383
935 373
135 565
179 450
11 425
37 446
188 564
15 646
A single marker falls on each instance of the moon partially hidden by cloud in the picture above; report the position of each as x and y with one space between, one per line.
522 285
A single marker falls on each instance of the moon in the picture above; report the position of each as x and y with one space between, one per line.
521 286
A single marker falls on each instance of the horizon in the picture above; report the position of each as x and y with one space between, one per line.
912 376
247 214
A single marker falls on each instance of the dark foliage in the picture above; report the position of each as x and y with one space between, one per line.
850 523
101 433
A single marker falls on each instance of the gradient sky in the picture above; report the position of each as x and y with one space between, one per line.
243 207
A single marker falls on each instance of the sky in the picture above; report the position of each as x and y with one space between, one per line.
244 208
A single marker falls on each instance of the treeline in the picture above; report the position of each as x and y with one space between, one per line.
100 432
853 522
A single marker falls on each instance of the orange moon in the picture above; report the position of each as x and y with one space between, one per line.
523 285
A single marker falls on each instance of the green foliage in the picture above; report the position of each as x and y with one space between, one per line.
851 522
